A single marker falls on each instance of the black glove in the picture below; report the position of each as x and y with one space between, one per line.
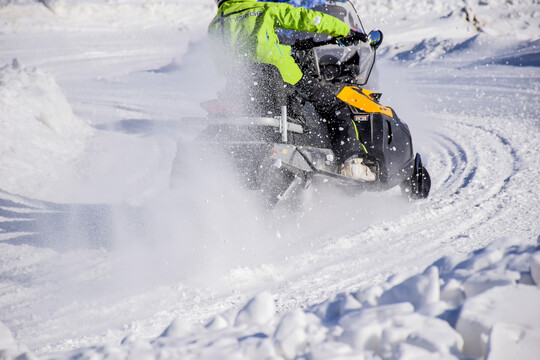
357 35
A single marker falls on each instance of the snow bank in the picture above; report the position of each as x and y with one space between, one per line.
448 311
99 14
40 133
428 30
518 18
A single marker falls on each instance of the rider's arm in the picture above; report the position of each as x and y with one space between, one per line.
298 18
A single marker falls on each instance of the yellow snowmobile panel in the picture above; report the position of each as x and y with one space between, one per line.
362 99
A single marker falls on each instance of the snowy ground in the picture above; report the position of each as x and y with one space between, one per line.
98 256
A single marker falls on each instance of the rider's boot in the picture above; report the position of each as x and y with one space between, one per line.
348 146
355 168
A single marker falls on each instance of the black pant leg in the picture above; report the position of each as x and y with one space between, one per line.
343 133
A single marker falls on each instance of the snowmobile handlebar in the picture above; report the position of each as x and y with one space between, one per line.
374 38
308 44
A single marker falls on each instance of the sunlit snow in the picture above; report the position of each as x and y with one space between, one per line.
102 258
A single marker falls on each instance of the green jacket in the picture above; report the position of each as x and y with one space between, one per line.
245 31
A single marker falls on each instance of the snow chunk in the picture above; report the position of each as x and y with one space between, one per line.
258 311
178 328
369 296
510 341
290 335
334 308
217 323
485 280
254 348
484 259
517 305
411 352
419 290
6 338
363 328
384 329
332 350
452 293
432 334
9 349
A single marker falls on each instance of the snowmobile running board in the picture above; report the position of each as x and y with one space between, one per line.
242 121
342 180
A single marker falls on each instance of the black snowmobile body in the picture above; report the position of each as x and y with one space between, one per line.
279 145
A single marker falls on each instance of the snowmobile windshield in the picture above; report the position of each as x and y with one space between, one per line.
351 64
355 61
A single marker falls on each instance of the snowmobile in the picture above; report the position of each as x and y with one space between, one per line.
280 146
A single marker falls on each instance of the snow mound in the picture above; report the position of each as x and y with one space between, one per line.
38 127
10 349
446 312
29 95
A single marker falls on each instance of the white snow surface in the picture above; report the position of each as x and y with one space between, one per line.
101 259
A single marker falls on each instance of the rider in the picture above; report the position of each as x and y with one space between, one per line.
245 30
